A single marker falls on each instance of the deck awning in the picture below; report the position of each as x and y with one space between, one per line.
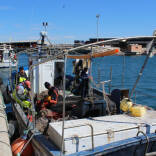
94 55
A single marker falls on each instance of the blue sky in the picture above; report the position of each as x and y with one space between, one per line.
70 20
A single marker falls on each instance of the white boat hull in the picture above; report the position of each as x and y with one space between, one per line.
7 65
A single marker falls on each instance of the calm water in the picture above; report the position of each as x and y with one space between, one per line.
146 88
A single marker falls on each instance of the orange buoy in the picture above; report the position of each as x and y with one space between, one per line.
17 146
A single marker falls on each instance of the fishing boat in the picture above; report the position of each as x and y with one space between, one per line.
85 125
7 56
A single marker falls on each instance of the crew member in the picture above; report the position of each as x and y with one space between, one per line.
52 92
78 68
85 82
59 78
21 76
77 81
22 91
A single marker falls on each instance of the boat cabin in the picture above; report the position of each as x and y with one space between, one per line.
48 72
4 53
7 56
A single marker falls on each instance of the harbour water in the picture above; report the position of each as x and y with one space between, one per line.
125 70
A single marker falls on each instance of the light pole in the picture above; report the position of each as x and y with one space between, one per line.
97 16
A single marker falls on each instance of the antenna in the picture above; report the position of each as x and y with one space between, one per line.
44 33
45 25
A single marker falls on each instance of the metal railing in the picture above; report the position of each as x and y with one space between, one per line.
92 132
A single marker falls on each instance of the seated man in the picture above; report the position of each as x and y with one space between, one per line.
52 92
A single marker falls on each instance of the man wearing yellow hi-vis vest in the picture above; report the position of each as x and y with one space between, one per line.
21 76
22 92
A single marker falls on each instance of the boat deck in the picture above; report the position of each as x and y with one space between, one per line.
106 129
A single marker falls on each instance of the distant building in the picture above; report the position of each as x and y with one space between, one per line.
131 46
79 43
135 48
21 45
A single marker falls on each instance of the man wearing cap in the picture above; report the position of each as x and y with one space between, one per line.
21 76
22 91
52 92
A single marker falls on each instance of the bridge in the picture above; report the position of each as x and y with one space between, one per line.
23 45
124 45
